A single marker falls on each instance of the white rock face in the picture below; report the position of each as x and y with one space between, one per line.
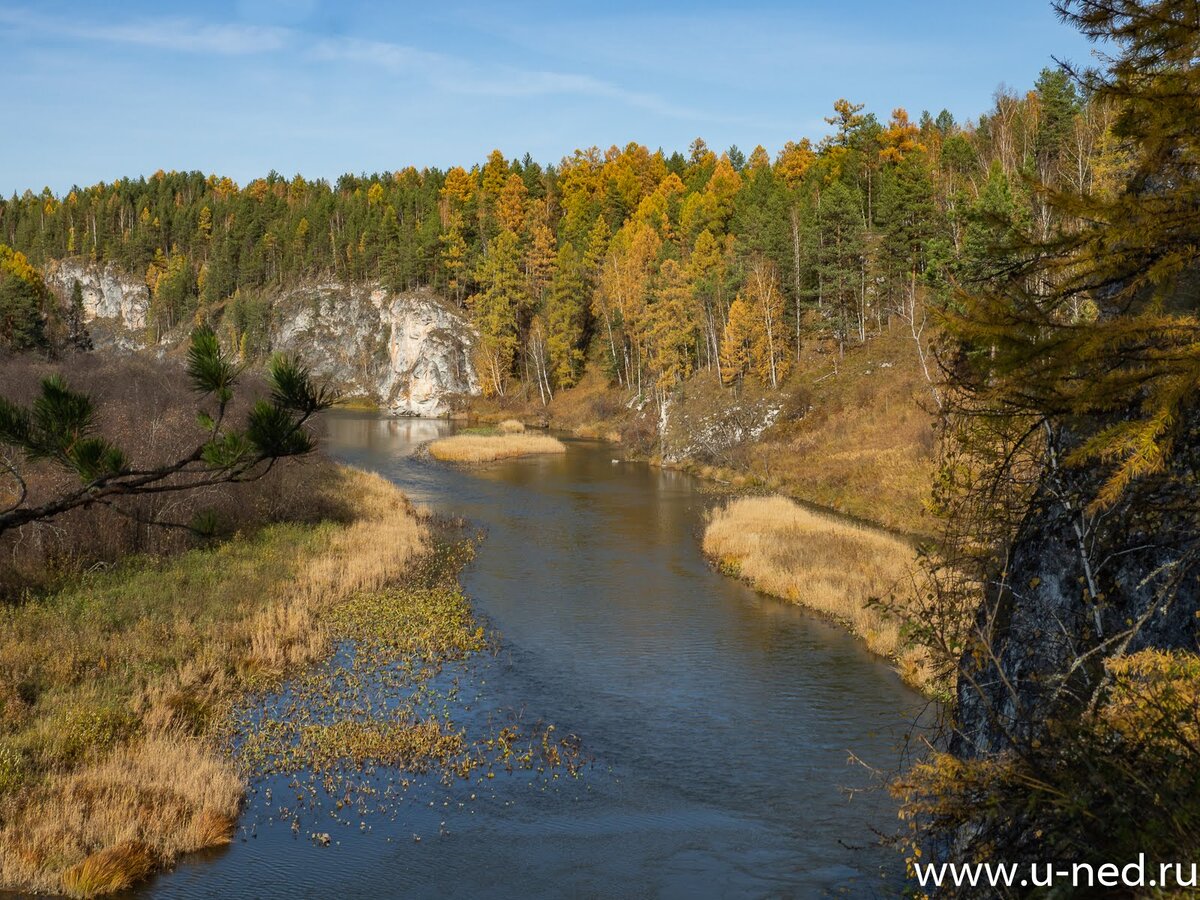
411 352
108 293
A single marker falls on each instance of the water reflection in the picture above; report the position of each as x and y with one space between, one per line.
721 721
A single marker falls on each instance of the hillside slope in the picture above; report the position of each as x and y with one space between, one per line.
854 433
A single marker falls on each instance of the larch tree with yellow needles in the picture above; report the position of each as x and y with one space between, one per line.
1069 487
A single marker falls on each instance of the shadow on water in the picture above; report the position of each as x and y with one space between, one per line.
721 722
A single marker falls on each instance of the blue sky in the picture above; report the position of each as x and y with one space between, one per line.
99 91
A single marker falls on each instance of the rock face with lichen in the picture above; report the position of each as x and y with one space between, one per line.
1081 585
410 352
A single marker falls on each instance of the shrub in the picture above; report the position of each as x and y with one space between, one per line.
1121 780
149 410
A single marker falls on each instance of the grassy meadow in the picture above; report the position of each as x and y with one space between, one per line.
857 436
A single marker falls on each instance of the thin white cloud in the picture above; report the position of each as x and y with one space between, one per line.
458 76
396 57
440 71
185 35
179 35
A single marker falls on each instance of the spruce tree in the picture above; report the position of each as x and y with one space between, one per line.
77 333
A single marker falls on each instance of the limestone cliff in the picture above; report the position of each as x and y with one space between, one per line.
410 351
115 303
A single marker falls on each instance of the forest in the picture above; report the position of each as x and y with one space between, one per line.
1039 261
658 264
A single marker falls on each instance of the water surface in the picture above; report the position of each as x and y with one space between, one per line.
721 722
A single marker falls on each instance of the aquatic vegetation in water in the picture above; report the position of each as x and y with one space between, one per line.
355 733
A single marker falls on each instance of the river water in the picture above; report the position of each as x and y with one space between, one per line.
721 723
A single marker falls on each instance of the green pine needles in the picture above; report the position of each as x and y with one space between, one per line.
61 426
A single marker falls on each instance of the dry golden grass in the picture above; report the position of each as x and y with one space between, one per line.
361 557
482 448
865 442
106 770
140 807
511 426
822 563
108 871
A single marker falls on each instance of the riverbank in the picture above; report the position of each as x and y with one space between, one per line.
713 712
115 687
824 564
853 433
851 437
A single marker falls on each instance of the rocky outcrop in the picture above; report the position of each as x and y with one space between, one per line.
410 352
1079 587
710 426
115 303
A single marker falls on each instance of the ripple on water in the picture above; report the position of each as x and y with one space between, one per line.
720 722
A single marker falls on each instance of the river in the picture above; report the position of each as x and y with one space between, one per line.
721 723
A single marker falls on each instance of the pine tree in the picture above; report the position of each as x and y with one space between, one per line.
453 258
840 261
60 427
24 303
993 223
909 218
392 264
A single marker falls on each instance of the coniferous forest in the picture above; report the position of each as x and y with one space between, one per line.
719 260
